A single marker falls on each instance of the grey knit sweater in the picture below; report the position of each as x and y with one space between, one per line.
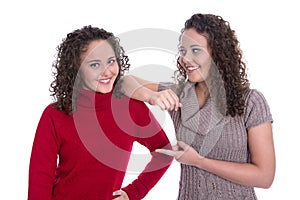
218 138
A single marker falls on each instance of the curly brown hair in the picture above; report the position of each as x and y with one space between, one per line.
227 57
64 89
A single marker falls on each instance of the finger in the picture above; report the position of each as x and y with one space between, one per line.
175 99
117 192
175 154
166 152
171 104
168 99
161 105
167 103
119 198
161 102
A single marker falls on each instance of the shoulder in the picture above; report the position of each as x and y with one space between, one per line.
257 110
52 112
125 103
137 110
50 109
254 97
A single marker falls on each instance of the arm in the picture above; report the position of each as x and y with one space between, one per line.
151 135
147 91
43 160
259 172
138 88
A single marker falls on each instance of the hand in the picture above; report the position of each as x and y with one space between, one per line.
183 153
166 100
122 195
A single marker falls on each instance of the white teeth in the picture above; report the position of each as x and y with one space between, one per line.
104 80
192 68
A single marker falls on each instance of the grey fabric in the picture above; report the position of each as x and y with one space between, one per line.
215 136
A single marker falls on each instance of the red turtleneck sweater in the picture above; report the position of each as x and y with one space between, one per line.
93 147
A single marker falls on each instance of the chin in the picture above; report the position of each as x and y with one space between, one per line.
104 90
195 78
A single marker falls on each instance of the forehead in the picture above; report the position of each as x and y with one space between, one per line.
99 48
192 37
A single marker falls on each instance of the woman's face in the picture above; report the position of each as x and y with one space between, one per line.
194 55
99 68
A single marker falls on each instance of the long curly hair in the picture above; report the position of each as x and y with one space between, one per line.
227 57
64 89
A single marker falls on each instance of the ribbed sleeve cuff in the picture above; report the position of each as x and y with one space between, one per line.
133 192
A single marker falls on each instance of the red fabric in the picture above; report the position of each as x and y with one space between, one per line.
93 147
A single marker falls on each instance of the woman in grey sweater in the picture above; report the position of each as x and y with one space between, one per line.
223 128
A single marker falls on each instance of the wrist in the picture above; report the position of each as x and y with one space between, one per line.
200 161
147 95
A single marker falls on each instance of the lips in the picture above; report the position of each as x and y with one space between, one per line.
190 69
104 81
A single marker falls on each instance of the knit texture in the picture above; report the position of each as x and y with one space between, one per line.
217 137
93 146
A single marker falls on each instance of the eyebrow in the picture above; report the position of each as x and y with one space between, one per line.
195 45
112 57
97 60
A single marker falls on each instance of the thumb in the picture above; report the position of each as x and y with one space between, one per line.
117 192
176 147
182 145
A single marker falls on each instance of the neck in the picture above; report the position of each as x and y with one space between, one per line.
202 93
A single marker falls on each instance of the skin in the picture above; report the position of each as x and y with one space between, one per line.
99 68
196 60
98 71
121 195
260 171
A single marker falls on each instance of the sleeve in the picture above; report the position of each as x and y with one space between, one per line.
167 85
257 110
43 160
152 136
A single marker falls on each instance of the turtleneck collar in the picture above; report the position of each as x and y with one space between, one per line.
93 100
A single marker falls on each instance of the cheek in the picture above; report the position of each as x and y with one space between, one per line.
206 64
116 69
87 75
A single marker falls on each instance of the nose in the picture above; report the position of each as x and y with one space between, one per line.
187 58
104 70
186 61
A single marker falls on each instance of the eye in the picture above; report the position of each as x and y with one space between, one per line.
111 61
181 51
95 65
196 50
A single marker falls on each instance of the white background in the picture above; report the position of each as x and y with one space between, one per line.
31 30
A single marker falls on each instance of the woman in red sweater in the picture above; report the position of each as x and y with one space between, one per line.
84 139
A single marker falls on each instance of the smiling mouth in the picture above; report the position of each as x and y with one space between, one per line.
105 81
192 68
